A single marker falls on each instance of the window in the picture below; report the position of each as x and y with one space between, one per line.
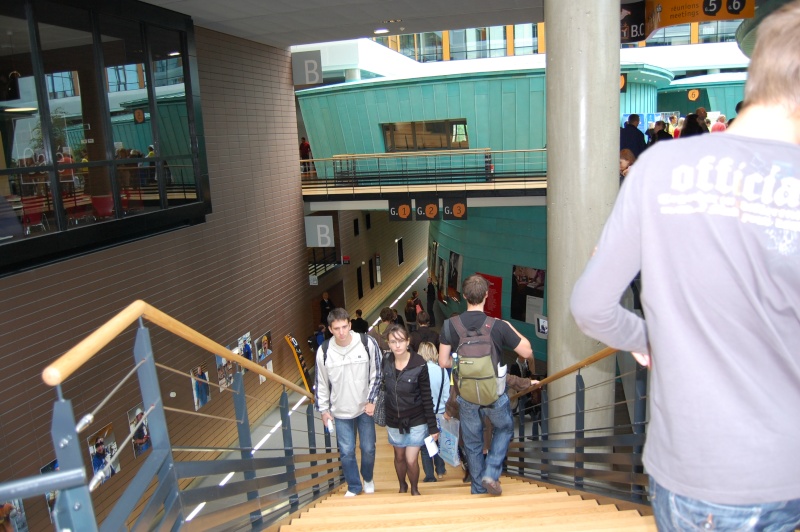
56 158
355 227
60 85
671 35
400 258
429 135
371 274
478 43
124 78
526 40
718 31
360 283
367 220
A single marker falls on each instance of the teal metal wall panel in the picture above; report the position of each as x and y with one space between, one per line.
493 241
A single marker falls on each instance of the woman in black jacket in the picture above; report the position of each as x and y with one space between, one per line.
409 407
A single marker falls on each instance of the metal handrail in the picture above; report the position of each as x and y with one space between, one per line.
68 363
588 361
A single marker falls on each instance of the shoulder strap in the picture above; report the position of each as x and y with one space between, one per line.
324 346
441 389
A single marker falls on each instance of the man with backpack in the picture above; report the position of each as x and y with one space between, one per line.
348 377
476 341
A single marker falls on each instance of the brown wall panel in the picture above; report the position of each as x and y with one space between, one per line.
243 270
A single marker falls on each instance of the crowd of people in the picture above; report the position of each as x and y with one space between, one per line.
722 309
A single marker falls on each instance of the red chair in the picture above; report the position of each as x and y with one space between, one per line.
103 206
33 213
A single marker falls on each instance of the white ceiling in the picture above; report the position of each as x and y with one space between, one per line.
283 23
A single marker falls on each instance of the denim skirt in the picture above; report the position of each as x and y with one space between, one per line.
415 438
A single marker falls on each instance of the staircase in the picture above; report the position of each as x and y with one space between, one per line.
448 505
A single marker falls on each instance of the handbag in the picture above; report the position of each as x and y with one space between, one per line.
448 441
379 415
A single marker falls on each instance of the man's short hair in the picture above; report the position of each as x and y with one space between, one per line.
423 318
358 312
337 314
775 62
387 314
475 289
633 119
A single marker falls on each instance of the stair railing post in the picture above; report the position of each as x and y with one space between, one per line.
73 507
545 433
245 437
521 404
580 408
288 448
328 450
639 420
312 441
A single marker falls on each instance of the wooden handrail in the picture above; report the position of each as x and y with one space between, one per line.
69 362
588 361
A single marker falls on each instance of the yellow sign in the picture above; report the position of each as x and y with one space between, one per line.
302 367
662 13
694 94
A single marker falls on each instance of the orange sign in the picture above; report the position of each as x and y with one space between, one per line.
694 94
662 13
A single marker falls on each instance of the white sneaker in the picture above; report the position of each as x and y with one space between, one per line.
369 487
350 494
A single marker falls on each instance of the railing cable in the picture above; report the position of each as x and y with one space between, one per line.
87 420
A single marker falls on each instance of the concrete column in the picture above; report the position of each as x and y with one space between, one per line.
583 43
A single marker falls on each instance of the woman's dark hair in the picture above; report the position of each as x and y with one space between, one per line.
397 330
691 126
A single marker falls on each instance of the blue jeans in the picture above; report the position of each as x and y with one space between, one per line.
346 437
679 513
428 464
471 417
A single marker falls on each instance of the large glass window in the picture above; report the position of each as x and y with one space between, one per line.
477 43
718 31
671 35
526 40
84 140
430 46
428 135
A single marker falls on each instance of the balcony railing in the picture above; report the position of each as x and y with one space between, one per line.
452 170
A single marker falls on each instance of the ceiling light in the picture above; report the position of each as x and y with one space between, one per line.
174 54
20 109
380 31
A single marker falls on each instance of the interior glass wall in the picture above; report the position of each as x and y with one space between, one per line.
477 43
526 40
84 137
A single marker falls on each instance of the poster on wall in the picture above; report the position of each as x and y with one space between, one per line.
12 516
264 352
224 371
141 434
103 451
441 279
200 389
433 251
50 496
245 344
527 293
494 297
454 275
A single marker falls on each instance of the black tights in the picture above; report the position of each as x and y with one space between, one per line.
406 463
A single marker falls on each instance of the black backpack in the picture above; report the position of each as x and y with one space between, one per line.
477 377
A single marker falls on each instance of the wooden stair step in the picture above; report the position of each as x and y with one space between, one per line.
396 498
530 503
426 515
525 522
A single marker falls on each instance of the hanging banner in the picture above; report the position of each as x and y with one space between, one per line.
301 362
426 209
631 22
454 208
662 13
400 210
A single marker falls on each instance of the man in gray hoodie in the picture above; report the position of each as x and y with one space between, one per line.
348 376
